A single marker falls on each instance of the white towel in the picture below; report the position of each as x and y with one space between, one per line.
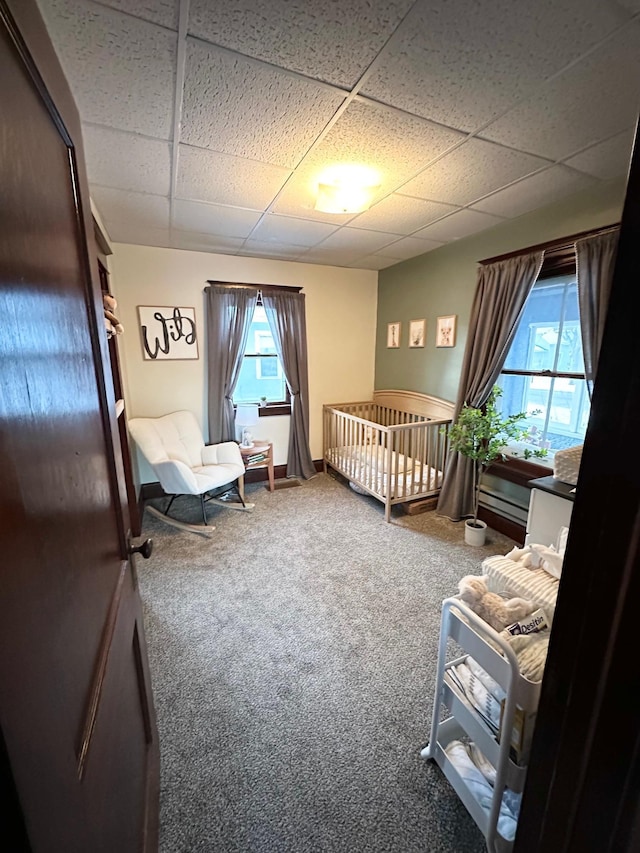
480 788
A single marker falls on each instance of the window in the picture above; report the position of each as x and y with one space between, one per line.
261 374
543 374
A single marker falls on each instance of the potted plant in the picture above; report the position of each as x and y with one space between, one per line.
263 402
480 435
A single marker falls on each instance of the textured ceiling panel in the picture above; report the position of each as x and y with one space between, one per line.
434 69
606 160
282 251
286 229
213 219
458 225
358 239
332 257
373 262
409 247
126 161
223 179
102 52
471 171
163 12
593 99
124 209
196 242
536 191
393 143
401 214
138 235
332 41
242 107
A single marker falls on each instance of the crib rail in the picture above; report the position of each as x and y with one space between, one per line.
393 454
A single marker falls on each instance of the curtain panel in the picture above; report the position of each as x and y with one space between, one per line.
286 315
498 304
229 314
595 262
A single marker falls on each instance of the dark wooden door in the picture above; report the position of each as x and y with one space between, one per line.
78 745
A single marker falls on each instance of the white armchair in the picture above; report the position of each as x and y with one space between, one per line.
184 465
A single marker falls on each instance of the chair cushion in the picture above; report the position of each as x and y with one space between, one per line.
175 437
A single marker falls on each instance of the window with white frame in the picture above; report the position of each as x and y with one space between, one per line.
543 374
261 374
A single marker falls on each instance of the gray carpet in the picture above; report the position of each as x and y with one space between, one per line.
292 657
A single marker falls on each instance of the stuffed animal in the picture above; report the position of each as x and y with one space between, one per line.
111 322
493 608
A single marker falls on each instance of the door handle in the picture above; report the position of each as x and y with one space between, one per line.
146 549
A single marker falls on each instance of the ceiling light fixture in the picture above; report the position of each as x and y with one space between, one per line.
346 189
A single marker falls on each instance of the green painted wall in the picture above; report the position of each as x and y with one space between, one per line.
444 280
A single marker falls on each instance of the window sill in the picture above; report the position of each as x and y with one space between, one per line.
518 471
275 409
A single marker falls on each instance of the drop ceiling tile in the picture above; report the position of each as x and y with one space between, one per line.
458 225
121 209
357 239
195 242
401 214
127 161
241 107
442 52
409 247
327 40
140 236
393 143
594 99
331 257
287 229
471 171
373 262
607 159
538 190
163 12
223 179
256 248
121 70
213 219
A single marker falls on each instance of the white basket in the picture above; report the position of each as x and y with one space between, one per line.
566 464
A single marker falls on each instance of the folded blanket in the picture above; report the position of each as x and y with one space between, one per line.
480 788
490 684
478 696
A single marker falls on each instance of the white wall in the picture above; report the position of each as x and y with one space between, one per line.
341 329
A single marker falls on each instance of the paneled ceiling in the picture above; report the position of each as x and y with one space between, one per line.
208 122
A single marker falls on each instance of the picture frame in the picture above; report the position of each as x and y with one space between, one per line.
446 330
168 332
417 333
393 335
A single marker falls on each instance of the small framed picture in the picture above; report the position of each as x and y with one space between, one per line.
416 333
446 331
393 335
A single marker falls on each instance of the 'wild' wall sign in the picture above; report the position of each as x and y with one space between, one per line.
167 332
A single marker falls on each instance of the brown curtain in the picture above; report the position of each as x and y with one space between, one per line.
229 314
595 262
500 296
286 315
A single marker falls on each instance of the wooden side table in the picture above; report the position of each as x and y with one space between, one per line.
265 449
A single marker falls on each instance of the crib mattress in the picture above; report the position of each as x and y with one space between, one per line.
368 466
510 576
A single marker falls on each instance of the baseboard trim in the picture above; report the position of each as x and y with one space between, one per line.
150 491
503 525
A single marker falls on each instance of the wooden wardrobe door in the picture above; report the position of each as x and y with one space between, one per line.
78 747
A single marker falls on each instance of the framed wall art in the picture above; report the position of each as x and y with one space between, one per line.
446 331
393 335
416 333
167 332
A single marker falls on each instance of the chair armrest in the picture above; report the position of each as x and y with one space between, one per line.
216 454
176 478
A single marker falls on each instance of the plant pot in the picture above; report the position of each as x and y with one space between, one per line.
475 532
263 403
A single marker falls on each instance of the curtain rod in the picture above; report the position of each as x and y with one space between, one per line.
557 245
262 287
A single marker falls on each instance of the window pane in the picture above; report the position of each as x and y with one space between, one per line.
570 358
260 377
568 413
530 394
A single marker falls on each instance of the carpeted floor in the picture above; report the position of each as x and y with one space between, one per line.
292 658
